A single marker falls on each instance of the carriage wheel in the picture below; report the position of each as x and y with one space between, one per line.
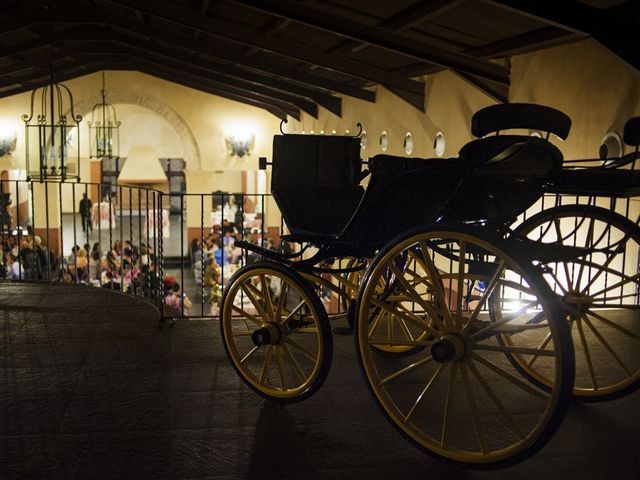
601 292
458 396
276 332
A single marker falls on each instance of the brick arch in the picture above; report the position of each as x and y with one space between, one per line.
192 153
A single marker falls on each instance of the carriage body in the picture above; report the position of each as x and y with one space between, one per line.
436 281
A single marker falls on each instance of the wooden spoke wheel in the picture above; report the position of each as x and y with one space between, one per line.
276 332
458 396
601 292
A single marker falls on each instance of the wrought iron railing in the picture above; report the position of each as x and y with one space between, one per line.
128 240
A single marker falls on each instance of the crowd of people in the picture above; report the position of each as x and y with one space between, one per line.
126 267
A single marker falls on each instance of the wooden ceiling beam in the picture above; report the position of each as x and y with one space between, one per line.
412 91
208 77
209 48
380 38
91 62
417 13
617 33
215 71
276 110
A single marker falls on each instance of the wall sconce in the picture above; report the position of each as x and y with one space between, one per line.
8 140
239 142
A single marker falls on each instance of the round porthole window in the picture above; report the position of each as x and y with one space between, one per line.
363 139
384 141
439 144
408 143
610 147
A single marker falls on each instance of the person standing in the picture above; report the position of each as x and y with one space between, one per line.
85 213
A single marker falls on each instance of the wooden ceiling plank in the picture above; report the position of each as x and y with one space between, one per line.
245 36
380 38
208 48
417 13
212 50
615 32
497 92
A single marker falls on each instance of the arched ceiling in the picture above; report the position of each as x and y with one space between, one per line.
293 56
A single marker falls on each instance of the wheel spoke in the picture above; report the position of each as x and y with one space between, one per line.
510 422
517 350
246 288
304 351
293 312
437 286
405 370
281 372
416 297
448 409
543 344
589 245
294 363
281 301
602 268
241 333
607 346
487 292
508 376
461 268
625 280
405 315
614 325
587 353
419 398
246 315
249 355
265 365
509 318
474 409
266 293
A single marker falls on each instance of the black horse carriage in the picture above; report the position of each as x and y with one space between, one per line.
460 319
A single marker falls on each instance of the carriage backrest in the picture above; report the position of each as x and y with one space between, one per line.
496 118
631 133
315 161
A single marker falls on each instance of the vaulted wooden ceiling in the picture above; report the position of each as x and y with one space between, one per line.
295 56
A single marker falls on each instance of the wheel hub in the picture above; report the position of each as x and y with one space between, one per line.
268 334
450 348
578 302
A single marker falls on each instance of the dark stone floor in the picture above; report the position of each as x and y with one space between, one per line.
92 386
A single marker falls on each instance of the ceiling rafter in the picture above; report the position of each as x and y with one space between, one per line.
615 32
410 90
417 13
380 38
207 48
124 61
215 71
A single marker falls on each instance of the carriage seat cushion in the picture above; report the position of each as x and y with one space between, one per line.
512 155
317 212
388 164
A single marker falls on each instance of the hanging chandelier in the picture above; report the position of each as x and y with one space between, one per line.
104 133
52 134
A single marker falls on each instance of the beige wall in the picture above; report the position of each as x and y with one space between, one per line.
594 87
597 89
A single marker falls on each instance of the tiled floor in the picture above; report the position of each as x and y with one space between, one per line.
92 386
